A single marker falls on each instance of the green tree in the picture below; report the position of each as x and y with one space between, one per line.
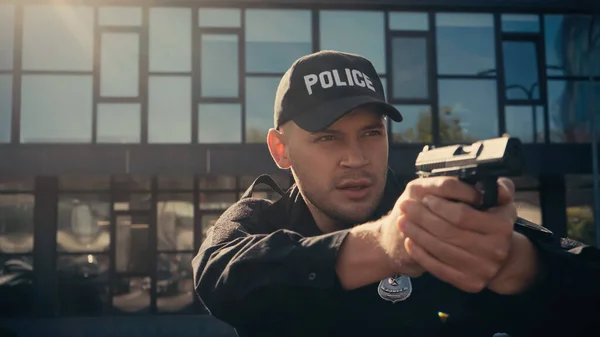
254 135
580 224
449 127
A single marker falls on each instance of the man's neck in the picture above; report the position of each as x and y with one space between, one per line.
323 222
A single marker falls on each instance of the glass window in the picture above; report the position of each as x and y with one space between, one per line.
408 21
128 182
119 123
16 223
7 24
520 123
219 17
217 201
465 43
119 65
528 206
340 30
282 179
131 295
468 110
580 214
275 38
170 39
175 221
520 23
71 182
415 126
58 37
521 70
260 97
175 283
217 182
132 243
83 284
120 16
58 108
16 183
567 52
569 104
176 182
5 107
83 223
219 64
409 67
220 123
169 109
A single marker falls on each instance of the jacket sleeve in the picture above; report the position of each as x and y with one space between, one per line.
565 300
254 279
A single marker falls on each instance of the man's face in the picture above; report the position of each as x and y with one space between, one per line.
341 171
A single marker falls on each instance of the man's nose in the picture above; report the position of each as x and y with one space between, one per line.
354 156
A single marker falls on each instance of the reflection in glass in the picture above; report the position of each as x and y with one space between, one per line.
580 215
220 123
131 294
83 284
119 123
119 65
175 221
131 182
219 63
528 206
468 110
7 24
340 30
217 182
521 70
120 16
569 110
58 37
16 223
58 108
175 283
83 223
520 123
125 201
19 298
176 182
18 183
219 201
170 39
567 45
219 17
409 67
416 126
132 246
5 107
260 95
520 23
408 21
465 43
275 38
208 220
169 109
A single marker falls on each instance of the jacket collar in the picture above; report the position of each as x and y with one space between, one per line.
291 212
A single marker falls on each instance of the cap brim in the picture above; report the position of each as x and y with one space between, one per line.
326 114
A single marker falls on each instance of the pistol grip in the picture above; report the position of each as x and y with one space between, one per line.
489 189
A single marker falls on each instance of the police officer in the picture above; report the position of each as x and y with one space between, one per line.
348 251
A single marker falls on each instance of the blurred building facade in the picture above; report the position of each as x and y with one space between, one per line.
128 127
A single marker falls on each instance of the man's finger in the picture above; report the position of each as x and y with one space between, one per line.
463 216
441 270
506 191
445 187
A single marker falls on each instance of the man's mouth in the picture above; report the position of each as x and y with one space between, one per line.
355 189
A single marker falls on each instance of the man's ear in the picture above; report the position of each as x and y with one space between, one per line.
277 147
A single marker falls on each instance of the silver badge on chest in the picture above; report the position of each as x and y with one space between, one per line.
395 289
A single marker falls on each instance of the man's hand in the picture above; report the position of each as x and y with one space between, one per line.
452 240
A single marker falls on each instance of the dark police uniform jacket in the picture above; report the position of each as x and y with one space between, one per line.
267 270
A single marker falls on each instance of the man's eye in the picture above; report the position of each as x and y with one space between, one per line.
326 138
373 133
